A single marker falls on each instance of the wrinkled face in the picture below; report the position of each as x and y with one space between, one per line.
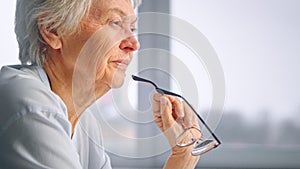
120 24
105 44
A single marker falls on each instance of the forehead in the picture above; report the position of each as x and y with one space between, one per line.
108 7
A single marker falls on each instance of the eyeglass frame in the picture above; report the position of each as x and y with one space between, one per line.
163 91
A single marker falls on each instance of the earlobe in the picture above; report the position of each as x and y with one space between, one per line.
50 37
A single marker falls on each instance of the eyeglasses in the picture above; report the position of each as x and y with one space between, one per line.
200 146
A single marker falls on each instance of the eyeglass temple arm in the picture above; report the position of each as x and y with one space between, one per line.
162 91
143 80
203 122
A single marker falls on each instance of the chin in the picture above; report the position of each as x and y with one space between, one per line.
118 79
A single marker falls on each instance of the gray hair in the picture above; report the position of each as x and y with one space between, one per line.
62 16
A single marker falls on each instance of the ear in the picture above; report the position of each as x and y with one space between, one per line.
50 37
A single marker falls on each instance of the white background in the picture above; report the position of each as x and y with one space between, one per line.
8 42
258 44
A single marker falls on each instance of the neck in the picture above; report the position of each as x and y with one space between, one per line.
77 93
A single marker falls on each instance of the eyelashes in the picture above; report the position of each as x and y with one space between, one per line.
124 24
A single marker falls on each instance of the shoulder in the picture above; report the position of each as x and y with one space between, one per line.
23 92
37 141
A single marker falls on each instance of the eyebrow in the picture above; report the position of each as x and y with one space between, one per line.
116 10
121 13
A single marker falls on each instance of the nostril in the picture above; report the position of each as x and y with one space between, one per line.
129 44
129 49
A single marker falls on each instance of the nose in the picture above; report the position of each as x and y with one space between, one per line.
130 44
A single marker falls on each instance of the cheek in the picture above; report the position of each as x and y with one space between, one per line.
110 75
103 66
106 71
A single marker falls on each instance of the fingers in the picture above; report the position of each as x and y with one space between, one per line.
169 109
162 110
156 104
189 118
156 110
166 112
184 114
178 106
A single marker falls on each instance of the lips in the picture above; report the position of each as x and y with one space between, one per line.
122 63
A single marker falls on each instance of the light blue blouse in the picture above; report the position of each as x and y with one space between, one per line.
34 128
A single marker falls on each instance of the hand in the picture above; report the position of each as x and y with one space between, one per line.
173 116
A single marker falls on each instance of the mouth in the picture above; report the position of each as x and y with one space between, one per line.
122 64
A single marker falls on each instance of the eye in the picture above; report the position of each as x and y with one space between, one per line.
117 23
133 29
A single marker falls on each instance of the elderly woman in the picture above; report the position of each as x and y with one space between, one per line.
72 53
